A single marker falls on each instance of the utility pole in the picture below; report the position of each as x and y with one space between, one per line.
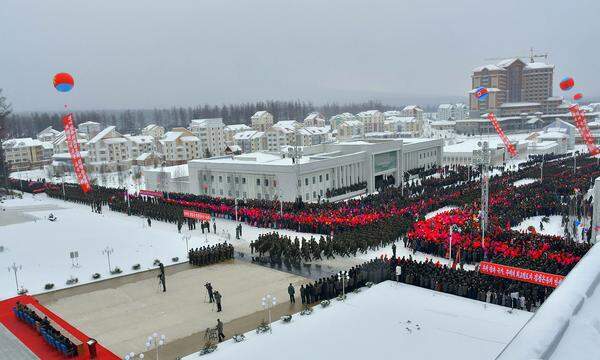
107 251
15 268
482 157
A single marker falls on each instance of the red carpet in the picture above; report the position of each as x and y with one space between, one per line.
34 341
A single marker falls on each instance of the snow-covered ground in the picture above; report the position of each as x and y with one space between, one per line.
388 320
523 182
42 247
550 228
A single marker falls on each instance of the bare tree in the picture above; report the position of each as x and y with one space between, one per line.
4 112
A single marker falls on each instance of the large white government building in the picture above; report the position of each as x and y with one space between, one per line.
309 174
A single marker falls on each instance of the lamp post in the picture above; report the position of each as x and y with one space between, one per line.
15 268
268 301
155 342
107 251
131 356
483 157
343 276
186 238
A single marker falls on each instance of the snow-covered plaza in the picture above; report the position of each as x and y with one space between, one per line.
387 320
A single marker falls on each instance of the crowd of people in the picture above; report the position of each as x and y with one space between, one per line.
44 325
208 255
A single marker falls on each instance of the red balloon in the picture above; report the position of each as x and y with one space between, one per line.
63 82
567 83
577 96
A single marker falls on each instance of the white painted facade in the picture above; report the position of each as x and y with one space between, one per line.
211 134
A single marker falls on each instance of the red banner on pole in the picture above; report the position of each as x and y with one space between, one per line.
151 193
584 130
73 146
514 273
196 215
509 146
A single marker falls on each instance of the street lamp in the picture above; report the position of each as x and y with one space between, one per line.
268 302
107 251
155 342
131 356
15 268
343 276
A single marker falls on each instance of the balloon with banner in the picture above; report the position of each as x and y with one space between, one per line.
509 146
584 130
75 153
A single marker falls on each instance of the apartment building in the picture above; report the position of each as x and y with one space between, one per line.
372 120
229 132
179 146
211 134
261 120
108 151
89 128
25 153
314 119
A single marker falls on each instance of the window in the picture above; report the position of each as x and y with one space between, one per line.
321 192
221 192
307 197
266 182
237 180
299 182
258 182
258 196
306 181
220 179
314 194
229 179
266 196
314 180
274 183
326 177
243 180
320 178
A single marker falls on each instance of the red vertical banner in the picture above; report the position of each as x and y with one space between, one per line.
73 146
584 130
509 146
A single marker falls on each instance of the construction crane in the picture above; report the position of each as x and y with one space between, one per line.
532 56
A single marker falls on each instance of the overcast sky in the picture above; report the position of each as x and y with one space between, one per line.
148 53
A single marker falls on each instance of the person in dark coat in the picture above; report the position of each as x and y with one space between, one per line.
292 292
303 294
162 277
220 330
218 301
149 222
214 227
209 289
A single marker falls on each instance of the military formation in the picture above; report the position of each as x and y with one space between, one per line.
208 255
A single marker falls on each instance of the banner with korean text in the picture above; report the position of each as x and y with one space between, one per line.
514 273
73 146
509 146
196 215
584 130
151 193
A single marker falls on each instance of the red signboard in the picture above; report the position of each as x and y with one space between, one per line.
514 273
151 193
73 146
196 215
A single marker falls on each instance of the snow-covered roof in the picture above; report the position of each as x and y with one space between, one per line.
140 139
117 140
519 104
412 108
150 127
553 135
402 119
237 127
351 123
89 123
189 138
538 65
490 67
443 123
243 135
47 145
206 122
287 124
391 113
101 134
171 136
21 143
313 130
234 148
174 171
367 113
49 130
445 106
259 113
313 116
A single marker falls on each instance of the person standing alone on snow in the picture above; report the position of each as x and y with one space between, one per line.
220 330
292 291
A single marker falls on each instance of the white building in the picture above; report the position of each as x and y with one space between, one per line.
276 137
350 129
323 167
156 131
243 139
445 112
309 136
26 153
407 125
211 135
108 151
60 143
336 120
230 130
461 112
261 120
179 146
314 119
140 144
90 128
48 134
372 120
461 153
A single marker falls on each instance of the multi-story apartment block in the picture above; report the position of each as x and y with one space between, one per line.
261 120
452 112
108 151
211 135
513 81
314 119
243 139
89 128
460 112
350 129
336 120
26 153
445 111
179 146
48 134
140 144
372 120
230 130
156 131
